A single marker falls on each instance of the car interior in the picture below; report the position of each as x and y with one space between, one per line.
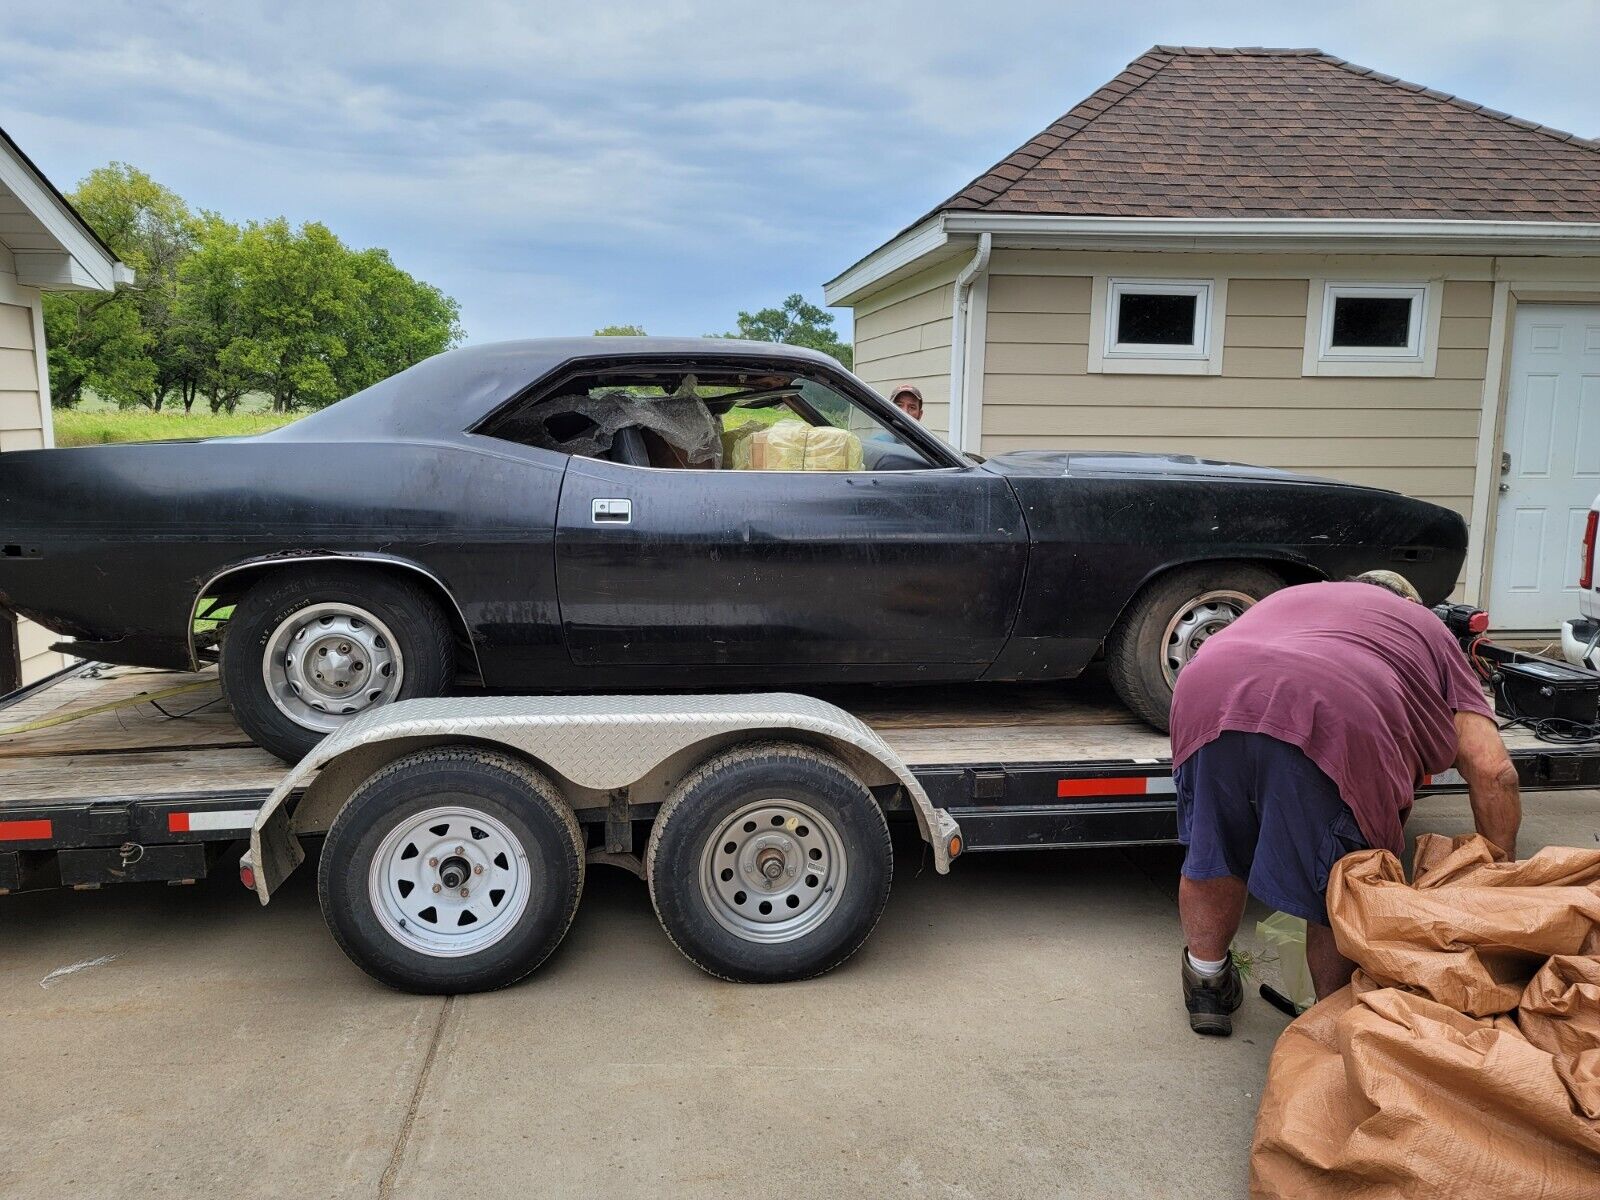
706 418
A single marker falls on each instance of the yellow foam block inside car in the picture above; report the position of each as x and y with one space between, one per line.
793 446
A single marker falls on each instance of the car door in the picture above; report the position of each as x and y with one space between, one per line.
905 573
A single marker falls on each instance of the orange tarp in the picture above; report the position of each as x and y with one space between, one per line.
1464 1059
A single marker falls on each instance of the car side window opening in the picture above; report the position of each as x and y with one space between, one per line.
730 419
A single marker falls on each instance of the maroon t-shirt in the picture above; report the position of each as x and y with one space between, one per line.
1365 683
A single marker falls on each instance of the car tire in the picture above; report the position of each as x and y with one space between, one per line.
429 827
789 809
392 622
1167 621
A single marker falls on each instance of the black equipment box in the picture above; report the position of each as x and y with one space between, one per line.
1535 689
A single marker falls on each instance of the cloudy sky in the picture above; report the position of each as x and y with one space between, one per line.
664 162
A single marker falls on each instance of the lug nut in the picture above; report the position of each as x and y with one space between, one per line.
477 870
436 887
459 850
463 892
433 862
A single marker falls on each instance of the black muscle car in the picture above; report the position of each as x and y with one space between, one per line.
645 513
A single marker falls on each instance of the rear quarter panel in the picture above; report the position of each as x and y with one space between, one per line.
115 542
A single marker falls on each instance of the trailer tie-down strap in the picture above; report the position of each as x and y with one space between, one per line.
110 706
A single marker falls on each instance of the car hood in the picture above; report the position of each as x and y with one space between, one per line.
1132 464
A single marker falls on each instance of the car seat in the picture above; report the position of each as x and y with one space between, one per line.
628 446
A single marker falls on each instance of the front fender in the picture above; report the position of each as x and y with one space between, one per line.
592 745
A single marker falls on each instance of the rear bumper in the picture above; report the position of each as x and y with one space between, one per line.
1580 644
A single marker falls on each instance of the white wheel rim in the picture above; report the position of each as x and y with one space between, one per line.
774 871
1194 623
326 663
449 881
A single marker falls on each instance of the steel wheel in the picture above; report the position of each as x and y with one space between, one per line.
773 872
325 663
1196 621
449 881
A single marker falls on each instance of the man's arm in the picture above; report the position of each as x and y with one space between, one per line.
1491 780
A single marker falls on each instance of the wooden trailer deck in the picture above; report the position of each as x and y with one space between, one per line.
130 733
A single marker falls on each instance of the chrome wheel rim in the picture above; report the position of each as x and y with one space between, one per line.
449 881
1194 623
328 662
774 871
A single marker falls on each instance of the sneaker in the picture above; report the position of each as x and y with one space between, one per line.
1212 999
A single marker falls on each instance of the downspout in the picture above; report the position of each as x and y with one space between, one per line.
959 334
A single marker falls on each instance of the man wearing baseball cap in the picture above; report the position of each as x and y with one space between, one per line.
907 397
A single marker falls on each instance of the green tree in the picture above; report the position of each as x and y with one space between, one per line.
398 321
211 315
131 359
96 343
797 323
620 331
298 304
298 315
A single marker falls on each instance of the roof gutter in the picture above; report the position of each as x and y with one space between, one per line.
932 239
960 337
1316 234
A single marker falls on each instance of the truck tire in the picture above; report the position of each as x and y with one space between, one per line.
453 869
387 638
1168 621
770 862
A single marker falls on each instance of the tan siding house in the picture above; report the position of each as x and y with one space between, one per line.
1169 269
44 246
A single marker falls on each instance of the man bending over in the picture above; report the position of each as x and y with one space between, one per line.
1300 734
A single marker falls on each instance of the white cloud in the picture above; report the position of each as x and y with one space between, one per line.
563 166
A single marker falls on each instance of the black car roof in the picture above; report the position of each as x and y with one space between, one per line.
445 394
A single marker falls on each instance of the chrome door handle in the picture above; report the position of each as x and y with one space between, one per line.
611 512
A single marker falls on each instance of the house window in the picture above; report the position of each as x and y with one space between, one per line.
1158 319
1376 323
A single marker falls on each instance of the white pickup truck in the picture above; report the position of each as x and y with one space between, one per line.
1580 637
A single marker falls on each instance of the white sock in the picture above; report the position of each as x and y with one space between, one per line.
1206 967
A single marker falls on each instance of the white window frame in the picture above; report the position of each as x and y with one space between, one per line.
1203 356
1418 358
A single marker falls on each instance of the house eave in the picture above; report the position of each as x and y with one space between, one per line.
66 255
897 257
956 230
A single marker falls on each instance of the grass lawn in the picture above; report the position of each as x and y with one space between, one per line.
98 426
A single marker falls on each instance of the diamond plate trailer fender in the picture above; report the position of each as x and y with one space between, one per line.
590 745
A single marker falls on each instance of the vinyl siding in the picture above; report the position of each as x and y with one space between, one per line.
902 335
1417 436
22 427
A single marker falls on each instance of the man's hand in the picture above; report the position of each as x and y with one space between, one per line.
1491 780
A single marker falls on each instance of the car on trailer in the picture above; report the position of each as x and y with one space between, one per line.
620 514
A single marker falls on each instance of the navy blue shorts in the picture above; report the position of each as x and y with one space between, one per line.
1258 809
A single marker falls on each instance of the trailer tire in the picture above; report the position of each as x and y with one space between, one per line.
1139 653
770 807
426 840
394 626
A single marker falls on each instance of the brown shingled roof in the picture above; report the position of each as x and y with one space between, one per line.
1252 132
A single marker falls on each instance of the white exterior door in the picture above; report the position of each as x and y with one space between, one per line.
1552 447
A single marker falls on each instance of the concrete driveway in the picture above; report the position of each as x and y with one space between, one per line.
1010 1030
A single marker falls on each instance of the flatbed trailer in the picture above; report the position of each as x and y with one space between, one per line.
116 774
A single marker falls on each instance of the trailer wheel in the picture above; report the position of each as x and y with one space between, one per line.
451 870
769 863
1167 623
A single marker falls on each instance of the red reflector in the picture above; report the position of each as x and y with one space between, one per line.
247 876
1478 622
24 831
1586 562
1101 787
178 822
